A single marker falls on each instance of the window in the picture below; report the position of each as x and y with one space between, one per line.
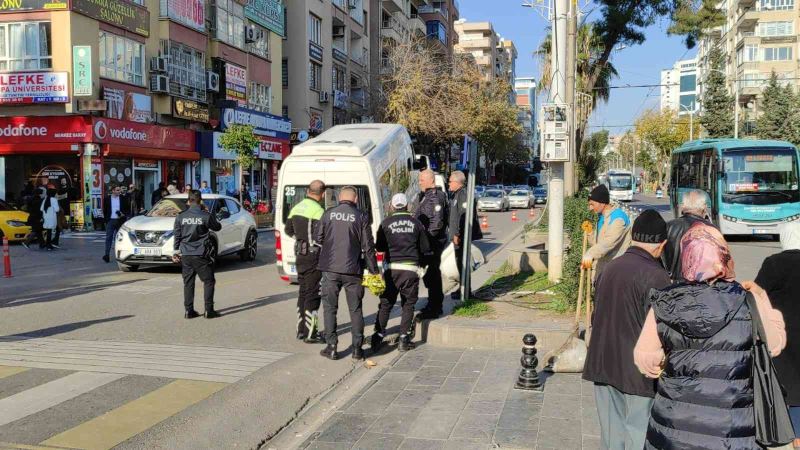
25 46
687 103
285 110
121 59
230 22
339 78
285 73
186 69
750 52
233 207
261 46
688 83
775 29
315 29
259 97
314 76
778 54
775 5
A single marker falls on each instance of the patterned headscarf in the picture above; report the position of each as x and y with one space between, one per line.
705 255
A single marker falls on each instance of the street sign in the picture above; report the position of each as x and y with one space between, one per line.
556 126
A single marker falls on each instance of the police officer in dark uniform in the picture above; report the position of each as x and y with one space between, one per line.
302 224
192 230
431 211
457 220
405 243
347 248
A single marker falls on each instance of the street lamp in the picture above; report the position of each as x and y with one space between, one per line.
691 119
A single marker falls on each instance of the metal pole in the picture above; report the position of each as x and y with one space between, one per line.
570 95
555 221
736 110
466 262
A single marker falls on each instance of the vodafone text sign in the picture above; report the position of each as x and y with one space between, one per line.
34 87
133 134
24 130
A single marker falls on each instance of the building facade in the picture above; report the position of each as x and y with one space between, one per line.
496 57
679 87
525 98
440 18
326 63
118 92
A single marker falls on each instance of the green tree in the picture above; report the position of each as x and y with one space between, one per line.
241 141
591 158
717 117
661 132
693 19
777 108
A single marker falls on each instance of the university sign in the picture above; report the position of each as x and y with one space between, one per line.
123 14
268 14
33 87
263 124
33 5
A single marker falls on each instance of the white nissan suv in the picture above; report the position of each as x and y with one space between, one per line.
148 240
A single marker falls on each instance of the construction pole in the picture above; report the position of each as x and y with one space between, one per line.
570 174
555 221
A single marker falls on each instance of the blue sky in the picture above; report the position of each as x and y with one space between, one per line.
637 65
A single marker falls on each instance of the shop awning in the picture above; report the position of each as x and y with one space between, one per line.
152 153
36 148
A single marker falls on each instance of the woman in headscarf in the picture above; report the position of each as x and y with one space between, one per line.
780 277
697 340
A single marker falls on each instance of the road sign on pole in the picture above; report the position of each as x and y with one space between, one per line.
466 262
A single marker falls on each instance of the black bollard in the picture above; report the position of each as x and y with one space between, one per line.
528 377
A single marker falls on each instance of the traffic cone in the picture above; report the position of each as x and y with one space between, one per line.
484 223
6 259
531 213
514 216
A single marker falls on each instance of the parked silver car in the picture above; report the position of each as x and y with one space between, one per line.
521 198
494 200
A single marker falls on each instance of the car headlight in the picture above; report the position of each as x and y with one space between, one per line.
16 223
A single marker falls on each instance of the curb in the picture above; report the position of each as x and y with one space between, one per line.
490 337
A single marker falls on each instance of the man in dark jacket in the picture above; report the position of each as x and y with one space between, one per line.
431 211
623 395
404 241
458 217
192 231
115 207
347 246
694 208
158 194
302 223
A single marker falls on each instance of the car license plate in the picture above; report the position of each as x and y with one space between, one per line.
292 269
147 251
761 231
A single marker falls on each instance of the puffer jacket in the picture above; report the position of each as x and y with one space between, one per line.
705 394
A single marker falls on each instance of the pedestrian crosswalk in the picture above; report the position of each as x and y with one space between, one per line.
73 394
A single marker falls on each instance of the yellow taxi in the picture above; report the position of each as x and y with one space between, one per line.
13 222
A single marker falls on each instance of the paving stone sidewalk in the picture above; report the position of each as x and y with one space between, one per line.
441 398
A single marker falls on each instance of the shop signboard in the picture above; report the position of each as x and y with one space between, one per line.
33 87
268 14
236 83
148 164
190 110
54 175
191 13
34 129
315 123
111 131
33 5
96 187
340 99
268 148
81 70
263 124
120 13
315 51
130 106
117 171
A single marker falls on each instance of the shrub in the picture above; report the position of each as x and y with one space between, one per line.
575 213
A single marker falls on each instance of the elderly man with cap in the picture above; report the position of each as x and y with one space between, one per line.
405 243
623 395
612 236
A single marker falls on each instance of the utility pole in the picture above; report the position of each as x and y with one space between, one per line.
555 221
570 176
736 110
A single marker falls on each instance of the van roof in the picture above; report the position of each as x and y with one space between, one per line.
348 140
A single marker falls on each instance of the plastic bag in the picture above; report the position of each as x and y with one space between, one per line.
374 283
451 279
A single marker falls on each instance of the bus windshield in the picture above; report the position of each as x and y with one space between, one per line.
760 176
292 195
620 182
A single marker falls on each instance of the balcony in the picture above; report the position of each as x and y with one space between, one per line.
468 44
417 27
744 4
393 6
430 10
748 20
392 29
484 60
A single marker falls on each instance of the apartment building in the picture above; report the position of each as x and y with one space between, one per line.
440 18
496 57
759 37
679 87
507 64
326 63
94 93
525 98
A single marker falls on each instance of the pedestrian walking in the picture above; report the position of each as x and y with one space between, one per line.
404 241
694 208
697 341
187 189
347 248
612 235
192 231
62 195
136 200
302 225
432 213
35 220
158 194
623 395
457 219
780 278
114 207
50 210
204 189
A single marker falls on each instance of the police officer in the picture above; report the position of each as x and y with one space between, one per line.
405 243
347 248
457 220
302 224
432 213
192 230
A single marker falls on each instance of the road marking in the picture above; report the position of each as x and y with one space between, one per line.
51 394
7 371
12 446
128 420
213 364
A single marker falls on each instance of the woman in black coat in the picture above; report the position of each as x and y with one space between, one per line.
780 277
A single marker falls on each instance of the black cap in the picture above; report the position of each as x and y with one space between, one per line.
600 194
649 228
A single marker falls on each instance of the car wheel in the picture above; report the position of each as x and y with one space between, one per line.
127 267
250 249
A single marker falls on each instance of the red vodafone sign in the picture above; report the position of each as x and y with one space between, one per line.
21 130
120 132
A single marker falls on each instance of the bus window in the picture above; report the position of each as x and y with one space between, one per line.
763 176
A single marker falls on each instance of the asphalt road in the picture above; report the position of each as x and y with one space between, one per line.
95 358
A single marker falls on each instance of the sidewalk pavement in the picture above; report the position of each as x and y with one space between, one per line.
442 398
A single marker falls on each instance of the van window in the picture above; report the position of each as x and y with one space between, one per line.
395 180
292 195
